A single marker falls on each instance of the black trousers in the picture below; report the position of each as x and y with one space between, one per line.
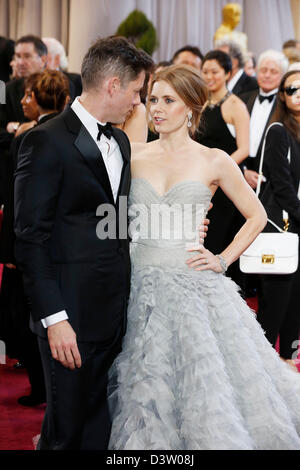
77 415
14 329
279 310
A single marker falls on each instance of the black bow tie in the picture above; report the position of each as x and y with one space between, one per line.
269 98
106 130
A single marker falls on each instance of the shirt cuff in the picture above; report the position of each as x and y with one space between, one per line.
55 318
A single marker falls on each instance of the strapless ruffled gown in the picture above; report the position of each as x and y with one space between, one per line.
196 371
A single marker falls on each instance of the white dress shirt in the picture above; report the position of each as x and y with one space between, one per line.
113 161
231 84
258 120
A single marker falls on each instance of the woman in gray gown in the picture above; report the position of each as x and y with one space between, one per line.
196 371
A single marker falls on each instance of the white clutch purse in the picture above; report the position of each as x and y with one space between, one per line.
271 253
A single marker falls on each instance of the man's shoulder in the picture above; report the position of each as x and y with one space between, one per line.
15 84
51 133
249 96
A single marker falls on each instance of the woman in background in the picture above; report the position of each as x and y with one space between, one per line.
224 125
279 294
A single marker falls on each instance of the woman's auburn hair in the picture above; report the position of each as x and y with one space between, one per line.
189 85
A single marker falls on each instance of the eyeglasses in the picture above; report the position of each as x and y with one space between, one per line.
291 90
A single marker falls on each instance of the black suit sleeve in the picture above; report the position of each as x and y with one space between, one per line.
279 171
38 181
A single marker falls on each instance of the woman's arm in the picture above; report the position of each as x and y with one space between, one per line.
233 184
136 127
240 118
231 180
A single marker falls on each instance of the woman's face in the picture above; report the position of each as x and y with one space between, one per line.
167 110
214 75
292 92
29 105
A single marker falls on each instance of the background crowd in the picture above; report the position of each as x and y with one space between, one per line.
245 95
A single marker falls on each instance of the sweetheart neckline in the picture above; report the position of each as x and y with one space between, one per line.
172 187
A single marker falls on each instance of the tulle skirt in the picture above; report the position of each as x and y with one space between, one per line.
196 371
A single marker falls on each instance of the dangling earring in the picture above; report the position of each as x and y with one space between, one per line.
190 115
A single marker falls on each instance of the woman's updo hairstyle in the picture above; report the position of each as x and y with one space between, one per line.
189 85
51 90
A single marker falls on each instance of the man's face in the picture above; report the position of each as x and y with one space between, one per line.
27 59
269 75
126 98
188 58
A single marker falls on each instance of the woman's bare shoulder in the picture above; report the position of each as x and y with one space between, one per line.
141 149
235 102
211 154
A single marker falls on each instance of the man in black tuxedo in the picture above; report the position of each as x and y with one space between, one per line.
72 172
261 105
239 83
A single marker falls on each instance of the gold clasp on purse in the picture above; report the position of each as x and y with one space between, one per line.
268 259
286 225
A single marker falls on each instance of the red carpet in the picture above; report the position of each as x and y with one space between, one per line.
18 424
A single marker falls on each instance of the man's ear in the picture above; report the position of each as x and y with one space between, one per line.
113 85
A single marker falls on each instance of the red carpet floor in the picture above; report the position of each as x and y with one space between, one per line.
18 424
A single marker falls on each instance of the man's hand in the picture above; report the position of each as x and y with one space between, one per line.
25 127
10 266
63 344
12 127
251 178
204 227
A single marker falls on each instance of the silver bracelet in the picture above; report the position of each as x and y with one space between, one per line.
222 263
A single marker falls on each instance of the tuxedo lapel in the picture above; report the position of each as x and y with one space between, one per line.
238 87
93 157
251 102
89 150
266 127
125 176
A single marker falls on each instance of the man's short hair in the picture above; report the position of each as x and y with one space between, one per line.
113 56
39 47
193 49
290 43
56 48
234 50
278 57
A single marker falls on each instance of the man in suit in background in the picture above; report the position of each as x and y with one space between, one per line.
31 57
71 170
239 82
261 105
